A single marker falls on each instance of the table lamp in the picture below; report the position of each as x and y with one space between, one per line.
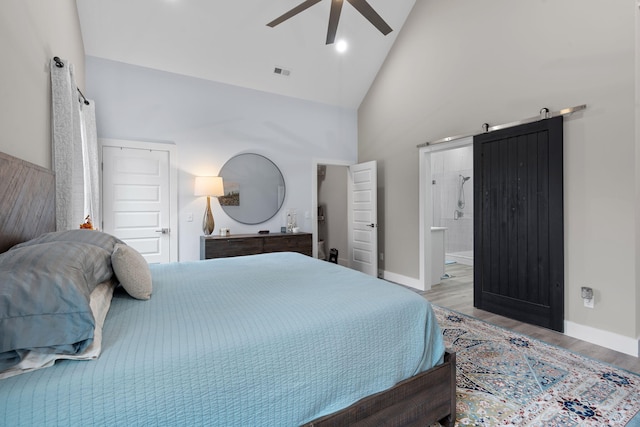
210 186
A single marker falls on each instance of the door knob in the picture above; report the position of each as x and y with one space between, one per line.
163 231
371 225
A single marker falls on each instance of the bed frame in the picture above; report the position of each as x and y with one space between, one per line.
421 400
27 201
27 209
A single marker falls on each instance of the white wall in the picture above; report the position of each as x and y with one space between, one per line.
211 122
460 63
31 33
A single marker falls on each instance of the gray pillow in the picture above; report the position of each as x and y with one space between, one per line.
132 271
91 237
44 297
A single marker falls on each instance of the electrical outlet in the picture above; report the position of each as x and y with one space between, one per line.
586 292
381 256
587 296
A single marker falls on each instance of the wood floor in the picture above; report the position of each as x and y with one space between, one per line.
456 293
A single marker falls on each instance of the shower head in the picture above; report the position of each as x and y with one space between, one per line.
465 178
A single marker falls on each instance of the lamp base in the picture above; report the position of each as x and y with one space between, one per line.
208 224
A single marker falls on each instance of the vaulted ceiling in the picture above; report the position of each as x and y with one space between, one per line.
229 42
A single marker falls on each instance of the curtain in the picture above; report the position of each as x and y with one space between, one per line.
91 163
74 150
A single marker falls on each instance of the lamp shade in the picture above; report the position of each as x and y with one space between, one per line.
208 186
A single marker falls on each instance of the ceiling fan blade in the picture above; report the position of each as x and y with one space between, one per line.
293 12
334 18
367 11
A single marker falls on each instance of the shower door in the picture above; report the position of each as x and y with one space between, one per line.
518 224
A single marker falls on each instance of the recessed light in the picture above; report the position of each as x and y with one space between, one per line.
341 46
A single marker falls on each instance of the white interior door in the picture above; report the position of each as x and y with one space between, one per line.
136 199
363 217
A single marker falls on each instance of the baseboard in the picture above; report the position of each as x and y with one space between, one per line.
602 338
401 280
599 337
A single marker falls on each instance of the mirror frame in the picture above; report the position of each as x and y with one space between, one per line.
244 178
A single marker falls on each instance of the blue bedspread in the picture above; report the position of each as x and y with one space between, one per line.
267 340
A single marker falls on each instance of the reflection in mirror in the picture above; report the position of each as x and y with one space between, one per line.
253 188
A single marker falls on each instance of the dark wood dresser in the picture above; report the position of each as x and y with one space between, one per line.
251 244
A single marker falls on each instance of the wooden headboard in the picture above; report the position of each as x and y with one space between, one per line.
27 201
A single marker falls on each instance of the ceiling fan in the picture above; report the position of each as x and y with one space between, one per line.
361 6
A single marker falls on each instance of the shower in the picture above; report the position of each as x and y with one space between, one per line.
461 202
463 179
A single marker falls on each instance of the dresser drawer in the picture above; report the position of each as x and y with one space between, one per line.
220 248
289 243
251 244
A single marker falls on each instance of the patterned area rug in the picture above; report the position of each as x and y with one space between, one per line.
508 379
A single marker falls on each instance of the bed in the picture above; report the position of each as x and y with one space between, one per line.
273 339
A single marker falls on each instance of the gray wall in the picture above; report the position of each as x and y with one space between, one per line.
31 33
211 122
460 63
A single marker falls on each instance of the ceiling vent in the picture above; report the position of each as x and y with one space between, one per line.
281 71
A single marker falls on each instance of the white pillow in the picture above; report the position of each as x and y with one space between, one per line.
132 271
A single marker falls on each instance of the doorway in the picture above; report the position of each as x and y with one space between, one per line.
518 243
452 202
446 207
332 212
342 184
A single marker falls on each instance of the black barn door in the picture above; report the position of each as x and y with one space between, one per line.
518 230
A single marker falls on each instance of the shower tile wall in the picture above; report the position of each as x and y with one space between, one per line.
446 167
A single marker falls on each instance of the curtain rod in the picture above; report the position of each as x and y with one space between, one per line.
60 64
544 114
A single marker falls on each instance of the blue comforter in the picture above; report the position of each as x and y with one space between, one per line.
267 340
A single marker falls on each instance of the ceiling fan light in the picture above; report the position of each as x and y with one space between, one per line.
341 46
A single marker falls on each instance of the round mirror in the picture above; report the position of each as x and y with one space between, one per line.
253 188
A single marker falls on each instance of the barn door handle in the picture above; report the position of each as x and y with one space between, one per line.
163 231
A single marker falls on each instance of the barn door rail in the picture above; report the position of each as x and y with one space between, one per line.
545 113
